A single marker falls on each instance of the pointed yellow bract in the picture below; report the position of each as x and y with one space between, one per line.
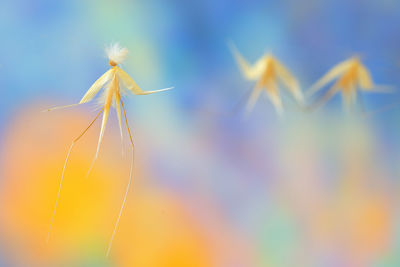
131 85
350 75
111 81
96 87
118 108
269 73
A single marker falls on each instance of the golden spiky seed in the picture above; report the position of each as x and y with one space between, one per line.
113 82
348 77
269 72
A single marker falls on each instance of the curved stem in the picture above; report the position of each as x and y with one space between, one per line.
63 172
129 182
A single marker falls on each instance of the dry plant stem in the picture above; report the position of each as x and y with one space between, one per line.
331 92
129 182
382 109
243 99
62 107
63 172
91 166
362 104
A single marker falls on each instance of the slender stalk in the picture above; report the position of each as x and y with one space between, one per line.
63 172
129 182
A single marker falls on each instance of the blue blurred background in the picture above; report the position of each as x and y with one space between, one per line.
211 188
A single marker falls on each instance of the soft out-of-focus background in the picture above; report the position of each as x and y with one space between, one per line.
210 188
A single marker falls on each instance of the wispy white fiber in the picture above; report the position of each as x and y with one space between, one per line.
116 53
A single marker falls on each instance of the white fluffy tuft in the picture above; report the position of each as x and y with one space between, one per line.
116 53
